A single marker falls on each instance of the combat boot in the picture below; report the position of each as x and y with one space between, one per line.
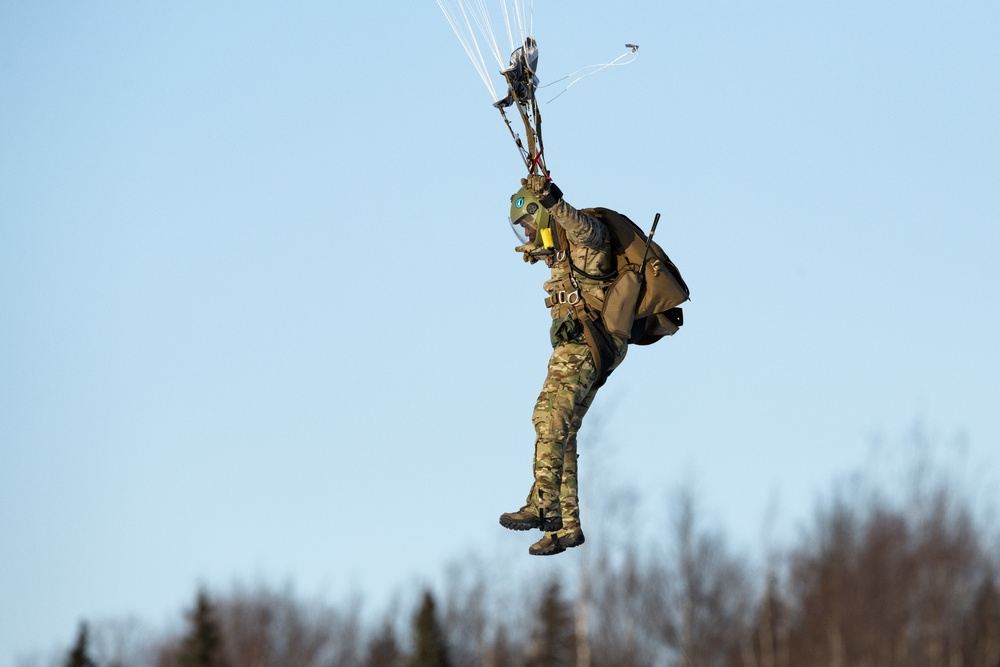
555 543
530 517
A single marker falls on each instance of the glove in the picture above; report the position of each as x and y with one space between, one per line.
528 250
545 190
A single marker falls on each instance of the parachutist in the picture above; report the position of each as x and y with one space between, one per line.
599 304
593 322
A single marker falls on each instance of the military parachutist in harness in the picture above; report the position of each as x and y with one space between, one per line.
563 237
600 301
610 286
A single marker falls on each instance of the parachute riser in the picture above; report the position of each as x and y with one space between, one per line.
532 119
521 83
536 150
525 156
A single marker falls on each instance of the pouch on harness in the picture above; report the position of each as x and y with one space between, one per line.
642 309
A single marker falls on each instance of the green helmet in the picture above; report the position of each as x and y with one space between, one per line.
529 219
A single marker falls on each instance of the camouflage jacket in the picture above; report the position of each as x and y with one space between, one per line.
585 242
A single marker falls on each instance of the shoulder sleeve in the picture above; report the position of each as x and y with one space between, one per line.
581 228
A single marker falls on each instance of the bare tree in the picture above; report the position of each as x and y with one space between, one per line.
874 581
270 628
383 649
898 587
466 613
765 642
124 642
684 604
626 599
500 652
707 599
982 627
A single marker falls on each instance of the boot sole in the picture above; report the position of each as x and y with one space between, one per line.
547 526
513 524
556 549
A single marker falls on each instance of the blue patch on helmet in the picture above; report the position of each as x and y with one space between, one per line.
519 203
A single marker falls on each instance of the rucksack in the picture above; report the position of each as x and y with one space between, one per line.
644 310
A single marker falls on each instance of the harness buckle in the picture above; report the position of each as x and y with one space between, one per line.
562 297
572 298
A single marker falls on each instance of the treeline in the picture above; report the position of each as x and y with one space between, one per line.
869 582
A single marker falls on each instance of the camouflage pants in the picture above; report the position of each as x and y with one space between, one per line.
566 396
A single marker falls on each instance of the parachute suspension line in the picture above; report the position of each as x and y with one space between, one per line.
506 21
515 39
523 21
470 43
469 17
484 22
633 51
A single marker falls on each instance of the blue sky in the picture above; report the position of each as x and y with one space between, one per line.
261 317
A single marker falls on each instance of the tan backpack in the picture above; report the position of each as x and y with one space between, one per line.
640 308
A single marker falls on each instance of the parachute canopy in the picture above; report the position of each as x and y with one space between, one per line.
520 75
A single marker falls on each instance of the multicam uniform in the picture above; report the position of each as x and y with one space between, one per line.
600 283
574 375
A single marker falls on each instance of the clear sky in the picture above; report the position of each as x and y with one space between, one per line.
260 316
